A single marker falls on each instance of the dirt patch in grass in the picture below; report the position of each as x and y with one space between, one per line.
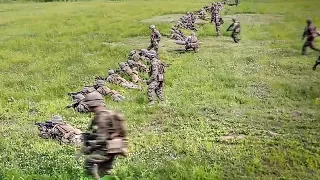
254 19
169 18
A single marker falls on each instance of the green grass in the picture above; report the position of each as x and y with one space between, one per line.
233 111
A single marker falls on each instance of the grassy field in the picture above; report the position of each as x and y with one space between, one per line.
232 111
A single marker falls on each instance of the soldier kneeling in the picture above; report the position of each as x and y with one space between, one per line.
192 42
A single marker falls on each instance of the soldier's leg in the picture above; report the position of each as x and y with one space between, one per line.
151 88
156 47
304 48
159 91
218 29
107 166
150 47
235 37
91 168
313 46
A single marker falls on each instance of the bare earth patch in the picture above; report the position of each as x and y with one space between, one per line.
232 137
169 18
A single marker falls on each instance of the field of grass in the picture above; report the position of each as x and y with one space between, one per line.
232 111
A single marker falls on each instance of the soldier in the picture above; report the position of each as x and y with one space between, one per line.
104 91
137 66
311 33
237 2
216 18
154 38
57 129
235 28
116 79
316 63
192 42
78 104
106 137
156 81
202 14
127 70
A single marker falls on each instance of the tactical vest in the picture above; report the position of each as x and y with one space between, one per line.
103 90
117 142
66 132
237 27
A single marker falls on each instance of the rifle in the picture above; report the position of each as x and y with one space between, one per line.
47 124
166 65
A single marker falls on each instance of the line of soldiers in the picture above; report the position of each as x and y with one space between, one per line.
187 21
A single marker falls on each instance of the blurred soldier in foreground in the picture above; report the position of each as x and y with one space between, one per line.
235 28
156 81
116 79
57 129
106 137
311 33
155 38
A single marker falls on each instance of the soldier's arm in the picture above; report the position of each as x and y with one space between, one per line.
154 71
230 28
304 32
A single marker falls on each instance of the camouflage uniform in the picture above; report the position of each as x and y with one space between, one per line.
311 33
60 131
235 28
130 72
216 18
78 104
154 39
104 91
106 137
192 42
202 14
118 80
156 81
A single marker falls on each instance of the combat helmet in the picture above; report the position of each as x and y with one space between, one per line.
131 62
94 99
100 82
152 53
56 119
122 65
78 97
234 19
152 26
132 52
110 71
309 21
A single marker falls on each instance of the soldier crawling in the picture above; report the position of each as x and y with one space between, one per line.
118 80
311 33
192 42
235 28
124 67
156 81
57 129
155 38
106 137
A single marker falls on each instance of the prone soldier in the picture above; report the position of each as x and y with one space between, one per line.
118 80
78 104
104 91
57 129
130 72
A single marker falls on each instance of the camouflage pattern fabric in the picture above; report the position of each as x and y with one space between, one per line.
156 81
310 33
106 128
62 132
235 28
192 43
155 38
133 74
118 80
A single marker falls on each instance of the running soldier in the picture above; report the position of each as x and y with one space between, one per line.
311 33
235 28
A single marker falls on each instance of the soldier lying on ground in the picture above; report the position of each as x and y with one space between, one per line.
104 91
124 67
118 80
78 104
57 129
